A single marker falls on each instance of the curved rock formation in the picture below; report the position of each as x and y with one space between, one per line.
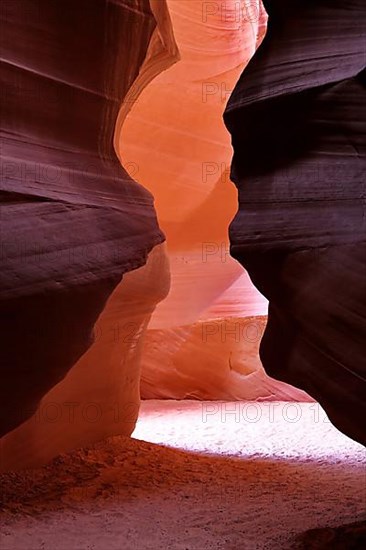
195 345
297 119
73 220
100 396
88 87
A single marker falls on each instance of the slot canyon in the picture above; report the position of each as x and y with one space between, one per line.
183 275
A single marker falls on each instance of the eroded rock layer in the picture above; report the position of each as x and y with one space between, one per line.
298 125
100 396
174 142
73 220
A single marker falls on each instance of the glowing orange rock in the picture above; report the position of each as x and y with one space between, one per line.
174 142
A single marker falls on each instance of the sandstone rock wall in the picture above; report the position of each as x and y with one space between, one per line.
73 222
300 174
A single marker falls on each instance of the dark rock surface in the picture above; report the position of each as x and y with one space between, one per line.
72 220
351 537
298 125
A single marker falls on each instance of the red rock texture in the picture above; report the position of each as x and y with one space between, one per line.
73 220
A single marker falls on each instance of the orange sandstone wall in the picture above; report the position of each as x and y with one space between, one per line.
174 142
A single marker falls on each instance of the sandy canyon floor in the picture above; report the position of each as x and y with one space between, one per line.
195 476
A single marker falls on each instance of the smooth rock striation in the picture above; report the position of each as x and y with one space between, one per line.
298 122
73 221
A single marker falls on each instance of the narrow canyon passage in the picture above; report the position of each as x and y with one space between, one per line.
182 281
